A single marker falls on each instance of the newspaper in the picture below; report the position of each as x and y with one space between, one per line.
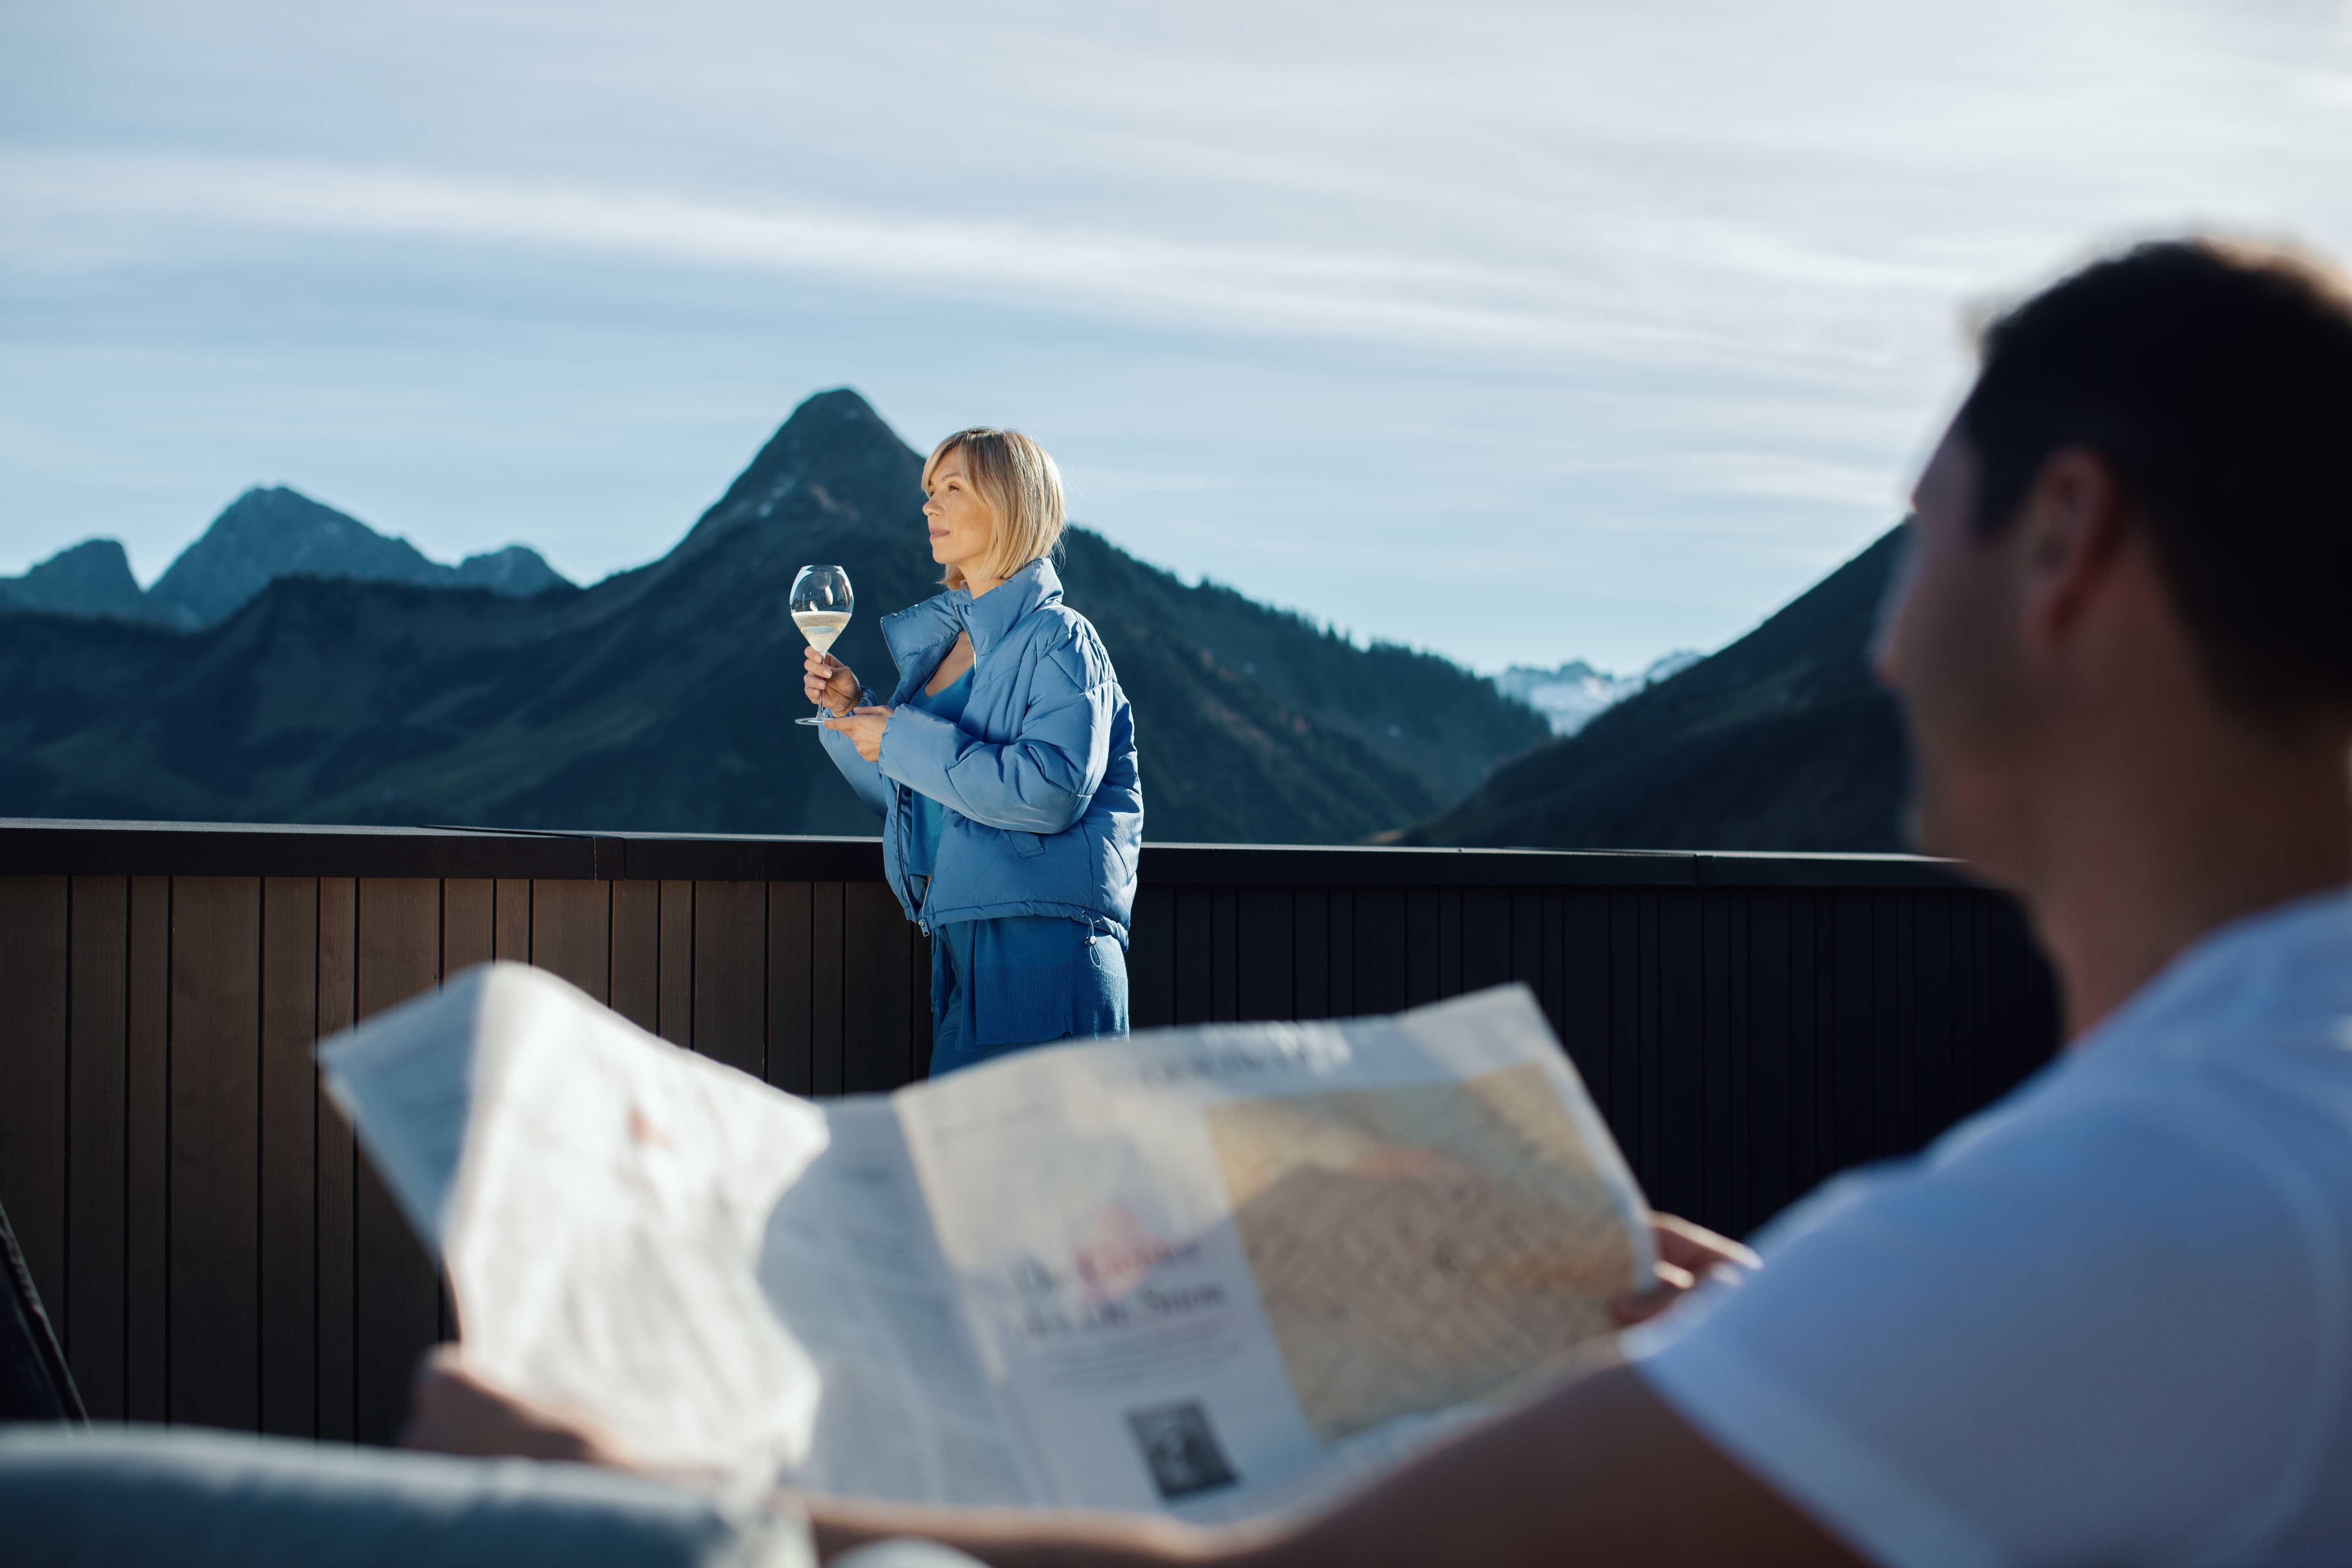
1214 1271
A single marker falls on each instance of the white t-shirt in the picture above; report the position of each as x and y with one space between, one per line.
2109 1321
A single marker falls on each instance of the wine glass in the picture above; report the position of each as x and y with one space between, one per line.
821 606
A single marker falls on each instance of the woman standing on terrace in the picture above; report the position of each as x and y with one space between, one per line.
1003 767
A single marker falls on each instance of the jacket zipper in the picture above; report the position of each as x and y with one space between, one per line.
921 923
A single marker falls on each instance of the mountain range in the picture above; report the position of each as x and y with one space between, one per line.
263 535
1570 696
1781 741
287 668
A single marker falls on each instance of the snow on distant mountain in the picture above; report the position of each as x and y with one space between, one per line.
1781 741
1571 695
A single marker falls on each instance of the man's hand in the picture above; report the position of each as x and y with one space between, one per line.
1687 1253
452 1411
863 729
828 682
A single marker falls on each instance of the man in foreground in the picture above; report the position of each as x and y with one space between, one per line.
2111 1320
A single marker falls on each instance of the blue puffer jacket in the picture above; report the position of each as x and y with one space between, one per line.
1045 808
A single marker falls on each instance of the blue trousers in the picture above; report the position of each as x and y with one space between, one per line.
1024 979
131 1496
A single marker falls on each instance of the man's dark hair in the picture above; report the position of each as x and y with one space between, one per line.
2216 382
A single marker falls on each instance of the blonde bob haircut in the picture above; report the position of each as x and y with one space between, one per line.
1021 488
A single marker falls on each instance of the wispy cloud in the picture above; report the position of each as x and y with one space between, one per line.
1387 296
1635 315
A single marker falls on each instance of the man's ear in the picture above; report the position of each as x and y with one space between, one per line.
2069 533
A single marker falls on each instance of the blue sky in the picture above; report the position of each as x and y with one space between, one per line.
1523 332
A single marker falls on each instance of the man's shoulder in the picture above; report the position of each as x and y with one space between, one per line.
2106 1313
2245 1044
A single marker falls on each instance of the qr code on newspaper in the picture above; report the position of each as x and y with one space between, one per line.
1182 1448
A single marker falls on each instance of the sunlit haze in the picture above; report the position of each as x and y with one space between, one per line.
1522 333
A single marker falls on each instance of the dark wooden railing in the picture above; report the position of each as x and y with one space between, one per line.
214 1252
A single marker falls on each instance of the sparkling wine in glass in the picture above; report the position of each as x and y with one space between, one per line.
821 606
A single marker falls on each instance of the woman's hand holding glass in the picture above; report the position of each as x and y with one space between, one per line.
829 683
833 686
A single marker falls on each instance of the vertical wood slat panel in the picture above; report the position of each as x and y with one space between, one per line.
338 1163
791 950
91 1315
468 937
1485 938
677 956
1624 1105
1151 960
1739 1027
729 958
1766 1042
877 1031
572 933
1265 966
1421 941
1584 988
1196 955
636 954
1449 942
1527 964
290 1176
1551 990
216 1199
510 919
1310 942
1720 1147
1344 967
1890 1029
36 924
398 1294
1854 999
1680 1049
1649 1085
468 923
1382 963
1342 926
1808 1138
1968 1001
1224 937
828 1006
147 1166
918 1003
1935 1007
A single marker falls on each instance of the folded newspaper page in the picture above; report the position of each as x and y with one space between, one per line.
1215 1271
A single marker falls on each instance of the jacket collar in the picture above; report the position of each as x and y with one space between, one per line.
920 628
911 632
997 612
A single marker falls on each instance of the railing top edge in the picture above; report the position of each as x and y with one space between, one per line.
51 845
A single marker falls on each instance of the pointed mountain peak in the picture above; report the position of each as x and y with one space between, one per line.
92 578
518 571
273 531
833 448
833 405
